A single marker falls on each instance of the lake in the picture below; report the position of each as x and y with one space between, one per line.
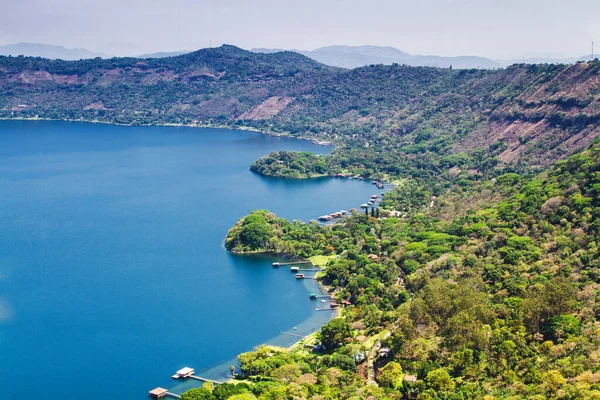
113 273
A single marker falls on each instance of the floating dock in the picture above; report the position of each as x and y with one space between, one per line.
187 372
159 393
183 373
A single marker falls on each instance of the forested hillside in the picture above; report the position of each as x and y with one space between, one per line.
385 119
491 299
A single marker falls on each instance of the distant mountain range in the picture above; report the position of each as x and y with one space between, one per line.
337 56
48 51
359 56
164 54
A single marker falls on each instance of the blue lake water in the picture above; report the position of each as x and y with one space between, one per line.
113 273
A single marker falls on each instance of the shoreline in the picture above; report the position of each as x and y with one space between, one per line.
222 367
317 142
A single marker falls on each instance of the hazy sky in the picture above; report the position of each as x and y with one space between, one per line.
491 28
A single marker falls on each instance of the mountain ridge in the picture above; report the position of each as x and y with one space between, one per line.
525 114
359 56
48 51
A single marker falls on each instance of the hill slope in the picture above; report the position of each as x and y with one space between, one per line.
500 302
381 116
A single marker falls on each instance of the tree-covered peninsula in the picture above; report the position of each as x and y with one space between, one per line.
263 232
491 292
290 164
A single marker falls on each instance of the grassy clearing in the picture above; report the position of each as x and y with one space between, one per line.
321 261
370 342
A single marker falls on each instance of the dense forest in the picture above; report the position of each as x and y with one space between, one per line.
491 292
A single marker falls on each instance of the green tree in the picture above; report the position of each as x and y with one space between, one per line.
335 332
255 235
439 380
225 390
197 394
242 396
561 326
391 375
208 385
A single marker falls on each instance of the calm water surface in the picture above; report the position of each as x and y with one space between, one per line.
113 273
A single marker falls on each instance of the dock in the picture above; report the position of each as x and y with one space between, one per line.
183 373
199 378
277 264
325 309
302 276
187 372
159 393
291 334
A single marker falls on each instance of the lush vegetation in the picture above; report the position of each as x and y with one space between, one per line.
491 292
262 232
289 164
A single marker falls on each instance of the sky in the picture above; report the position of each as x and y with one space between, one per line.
498 29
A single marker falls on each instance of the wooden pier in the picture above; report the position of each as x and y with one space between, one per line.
277 264
159 393
183 373
291 334
199 378
324 309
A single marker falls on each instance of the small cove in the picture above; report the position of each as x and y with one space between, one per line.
113 272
